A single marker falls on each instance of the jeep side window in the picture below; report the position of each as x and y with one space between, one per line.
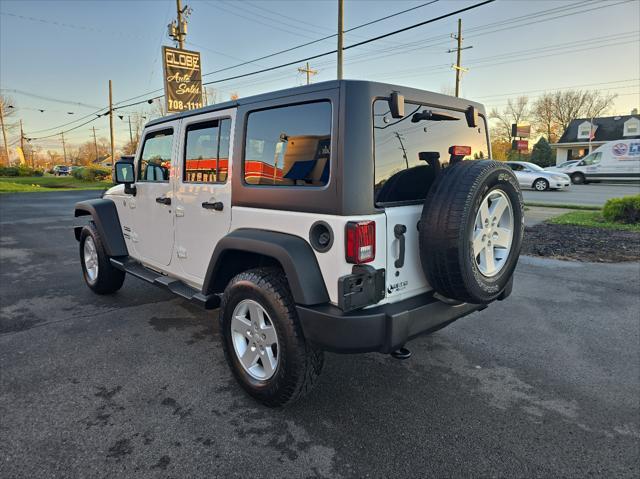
155 159
207 152
289 146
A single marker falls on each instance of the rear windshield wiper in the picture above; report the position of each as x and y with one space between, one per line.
432 116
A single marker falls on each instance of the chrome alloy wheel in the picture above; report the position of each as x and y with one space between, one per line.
255 341
492 234
91 259
540 185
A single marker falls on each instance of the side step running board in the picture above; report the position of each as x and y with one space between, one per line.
207 301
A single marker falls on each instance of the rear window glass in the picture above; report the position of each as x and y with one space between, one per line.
400 176
289 146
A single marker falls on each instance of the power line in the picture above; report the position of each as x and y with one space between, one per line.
560 88
516 19
117 104
47 98
364 42
354 45
420 45
522 53
66 131
71 25
286 50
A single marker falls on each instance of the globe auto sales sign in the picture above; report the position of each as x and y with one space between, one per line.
182 79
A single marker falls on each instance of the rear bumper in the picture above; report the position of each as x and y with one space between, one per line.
382 328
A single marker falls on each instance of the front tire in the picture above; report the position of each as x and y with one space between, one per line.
541 185
578 179
97 270
263 341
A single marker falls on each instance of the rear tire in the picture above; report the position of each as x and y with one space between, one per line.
263 341
97 270
471 231
578 179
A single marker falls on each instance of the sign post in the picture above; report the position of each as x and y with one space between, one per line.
182 79
520 131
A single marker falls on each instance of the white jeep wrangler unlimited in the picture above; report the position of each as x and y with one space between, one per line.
346 216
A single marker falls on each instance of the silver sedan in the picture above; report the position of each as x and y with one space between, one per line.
532 176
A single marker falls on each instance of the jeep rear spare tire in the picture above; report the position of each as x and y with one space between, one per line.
471 231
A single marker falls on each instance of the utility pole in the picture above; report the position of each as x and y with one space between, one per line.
130 132
458 66
4 133
340 36
404 151
178 27
113 141
64 147
95 141
309 72
181 33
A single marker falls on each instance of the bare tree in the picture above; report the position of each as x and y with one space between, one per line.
516 112
543 117
210 95
572 104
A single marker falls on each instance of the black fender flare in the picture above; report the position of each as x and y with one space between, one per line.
105 216
293 253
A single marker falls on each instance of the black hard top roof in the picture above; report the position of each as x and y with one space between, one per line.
327 85
314 87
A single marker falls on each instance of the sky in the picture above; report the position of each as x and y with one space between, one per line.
68 50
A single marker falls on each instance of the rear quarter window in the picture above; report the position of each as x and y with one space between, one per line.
400 176
288 145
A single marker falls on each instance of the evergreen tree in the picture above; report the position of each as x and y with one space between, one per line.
542 154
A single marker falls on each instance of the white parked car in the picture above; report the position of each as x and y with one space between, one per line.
298 216
530 175
617 160
561 168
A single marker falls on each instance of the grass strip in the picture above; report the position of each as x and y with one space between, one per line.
568 207
31 184
591 219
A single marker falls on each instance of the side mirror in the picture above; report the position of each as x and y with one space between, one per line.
396 105
123 174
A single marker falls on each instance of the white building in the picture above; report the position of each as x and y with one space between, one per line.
574 143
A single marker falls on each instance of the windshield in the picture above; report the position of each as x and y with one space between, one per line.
400 176
534 167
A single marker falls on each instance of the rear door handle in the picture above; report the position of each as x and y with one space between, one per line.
218 206
163 200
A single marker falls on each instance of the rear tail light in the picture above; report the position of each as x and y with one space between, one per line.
360 242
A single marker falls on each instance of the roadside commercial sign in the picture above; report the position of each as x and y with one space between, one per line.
520 145
182 79
521 131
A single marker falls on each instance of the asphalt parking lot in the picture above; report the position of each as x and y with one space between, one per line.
545 384
595 194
